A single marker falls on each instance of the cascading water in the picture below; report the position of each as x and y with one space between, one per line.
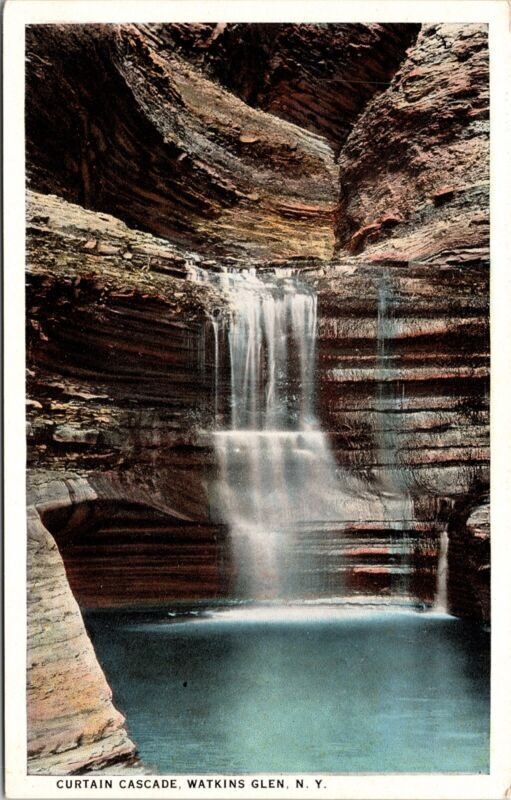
296 518
398 505
276 469
441 605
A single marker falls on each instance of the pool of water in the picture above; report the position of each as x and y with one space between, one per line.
299 690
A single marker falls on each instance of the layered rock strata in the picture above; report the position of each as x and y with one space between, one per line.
121 364
404 381
144 135
64 675
404 371
318 76
413 233
414 171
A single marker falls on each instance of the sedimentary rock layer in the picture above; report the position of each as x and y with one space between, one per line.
404 385
414 171
402 375
72 723
319 76
119 371
131 555
404 370
469 563
144 135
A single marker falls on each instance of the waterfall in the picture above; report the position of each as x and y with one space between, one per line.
276 469
398 506
296 518
440 603
215 327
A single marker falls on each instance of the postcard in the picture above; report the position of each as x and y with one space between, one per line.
250 289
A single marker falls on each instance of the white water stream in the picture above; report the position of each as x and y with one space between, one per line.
441 602
278 481
276 470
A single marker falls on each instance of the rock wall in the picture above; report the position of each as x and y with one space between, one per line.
414 172
147 170
404 386
144 135
119 361
116 349
72 724
469 564
318 76
404 316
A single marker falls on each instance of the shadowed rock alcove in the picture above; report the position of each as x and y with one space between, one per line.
127 554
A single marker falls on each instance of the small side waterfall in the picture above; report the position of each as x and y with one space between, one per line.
441 603
389 403
215 327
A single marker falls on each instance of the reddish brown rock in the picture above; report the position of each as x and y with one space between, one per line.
118 359
318 76
142 134
403 371
402 383
422 147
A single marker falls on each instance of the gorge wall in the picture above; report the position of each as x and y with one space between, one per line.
144 135
412 227
168 153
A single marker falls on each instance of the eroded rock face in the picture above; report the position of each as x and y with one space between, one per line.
131 555
120 347
64 675
319 76
469 564
404 370
144 135
117 355
414 173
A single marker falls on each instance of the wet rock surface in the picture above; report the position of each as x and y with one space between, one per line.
469 585
403 365
154 168
403 368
